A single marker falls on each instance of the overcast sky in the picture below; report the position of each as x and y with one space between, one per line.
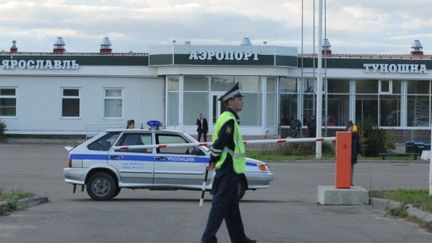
353 26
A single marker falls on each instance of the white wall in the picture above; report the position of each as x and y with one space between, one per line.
39 100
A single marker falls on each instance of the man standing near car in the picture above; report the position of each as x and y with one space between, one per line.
202 127
228 158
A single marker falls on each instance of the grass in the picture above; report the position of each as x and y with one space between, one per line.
12 197
418 198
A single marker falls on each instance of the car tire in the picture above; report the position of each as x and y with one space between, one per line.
241 188
117 192
101 186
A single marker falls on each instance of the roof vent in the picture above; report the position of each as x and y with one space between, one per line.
59 46
326 47
417 48
264 42
188 42
14 48
246 42
105 46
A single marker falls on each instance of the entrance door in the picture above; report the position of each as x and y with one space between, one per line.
216 106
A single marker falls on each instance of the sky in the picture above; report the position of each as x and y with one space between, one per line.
352 26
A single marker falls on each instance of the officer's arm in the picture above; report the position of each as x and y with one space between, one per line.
224 137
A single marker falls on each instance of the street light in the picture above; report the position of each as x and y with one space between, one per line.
318 147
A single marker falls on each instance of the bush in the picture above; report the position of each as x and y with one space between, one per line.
374 140
307 148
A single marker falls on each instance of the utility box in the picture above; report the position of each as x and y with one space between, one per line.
343 159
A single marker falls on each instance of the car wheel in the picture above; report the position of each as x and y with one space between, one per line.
241 188
101 186
117 191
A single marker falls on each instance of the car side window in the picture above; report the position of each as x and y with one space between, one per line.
172 139
104 143
136 139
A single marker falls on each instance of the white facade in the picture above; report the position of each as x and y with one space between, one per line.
45 93
39 98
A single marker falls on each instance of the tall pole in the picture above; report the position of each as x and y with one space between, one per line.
318 147
430 165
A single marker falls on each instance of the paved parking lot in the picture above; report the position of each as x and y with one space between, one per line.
287 212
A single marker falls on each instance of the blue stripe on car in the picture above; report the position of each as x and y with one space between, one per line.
89 156
169 158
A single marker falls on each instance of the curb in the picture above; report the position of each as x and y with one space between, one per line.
22 203
411 210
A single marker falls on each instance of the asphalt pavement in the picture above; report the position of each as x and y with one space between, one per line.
287 212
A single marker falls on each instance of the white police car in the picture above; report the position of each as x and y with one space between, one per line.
117 158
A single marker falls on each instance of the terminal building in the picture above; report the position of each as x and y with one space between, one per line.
64 93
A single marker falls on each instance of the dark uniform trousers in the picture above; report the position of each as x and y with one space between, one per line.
225 205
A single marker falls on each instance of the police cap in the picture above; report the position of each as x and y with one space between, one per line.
233 92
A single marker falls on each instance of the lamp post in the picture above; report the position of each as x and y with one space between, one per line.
318 146
430 165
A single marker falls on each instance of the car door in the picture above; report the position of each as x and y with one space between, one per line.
134 165
178 166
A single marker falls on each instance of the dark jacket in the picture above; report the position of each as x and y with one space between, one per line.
357 147
204 127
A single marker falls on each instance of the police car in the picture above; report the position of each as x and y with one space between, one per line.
141 159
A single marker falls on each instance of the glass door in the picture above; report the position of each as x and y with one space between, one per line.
216 106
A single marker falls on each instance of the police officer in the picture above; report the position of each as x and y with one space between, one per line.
130 124
227 157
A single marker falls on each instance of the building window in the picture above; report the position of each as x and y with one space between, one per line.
196 83
71 103
194 103
288 85
386 86
195 98
418 113
271 102
338 110
173 83
367 108
367 87
288 100
252 115
309 86
7 102
418 110
222 83
113 103
250 87
336 86
338 103
389 110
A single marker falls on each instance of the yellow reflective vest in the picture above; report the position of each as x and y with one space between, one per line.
238 155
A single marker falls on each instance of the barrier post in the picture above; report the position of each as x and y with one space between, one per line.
343 159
